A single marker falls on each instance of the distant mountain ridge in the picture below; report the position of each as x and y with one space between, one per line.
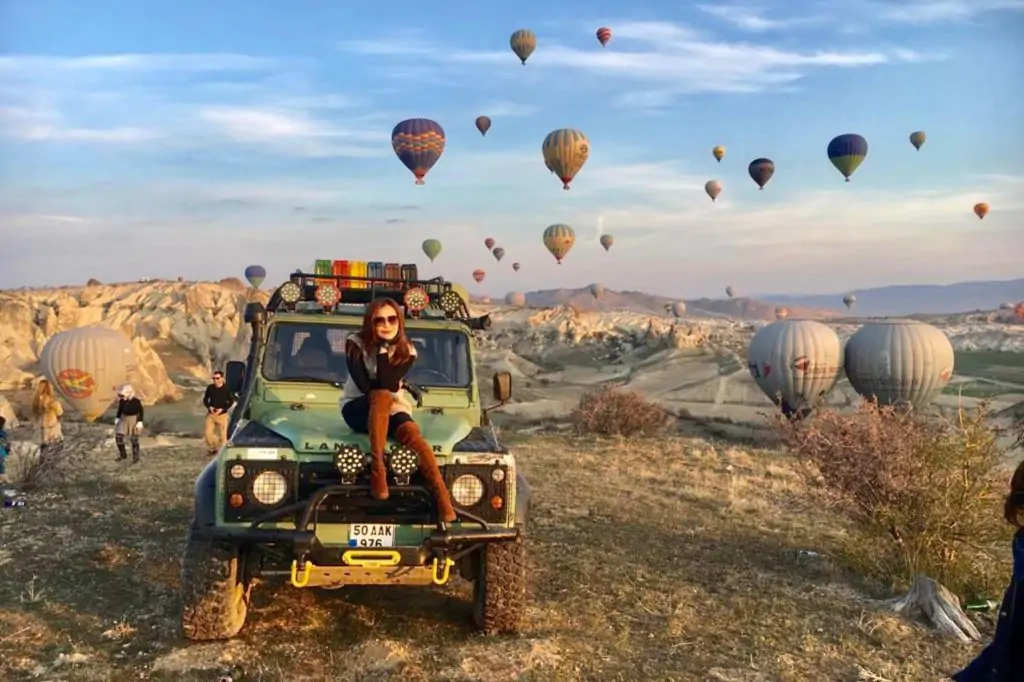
908 299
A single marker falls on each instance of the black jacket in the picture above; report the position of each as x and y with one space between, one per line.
219 397
129 408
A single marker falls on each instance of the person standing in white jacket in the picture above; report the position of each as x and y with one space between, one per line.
128 422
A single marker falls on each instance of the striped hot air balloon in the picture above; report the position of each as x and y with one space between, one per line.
604 34
565 151
418 144
559 239
523 42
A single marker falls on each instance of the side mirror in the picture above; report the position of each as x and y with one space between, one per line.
502 386
234 376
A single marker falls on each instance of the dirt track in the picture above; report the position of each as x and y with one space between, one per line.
667 560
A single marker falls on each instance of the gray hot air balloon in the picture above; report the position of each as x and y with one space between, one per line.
87 366
678 308
795 362
730 292
781 313
516 298
849 300
899 362
597 289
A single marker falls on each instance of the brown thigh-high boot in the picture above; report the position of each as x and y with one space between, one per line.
408 434
380 413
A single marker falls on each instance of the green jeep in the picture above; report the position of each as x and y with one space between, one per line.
288 496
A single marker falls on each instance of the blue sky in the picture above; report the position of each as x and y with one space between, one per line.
193 138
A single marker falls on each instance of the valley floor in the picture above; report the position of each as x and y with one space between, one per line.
675 559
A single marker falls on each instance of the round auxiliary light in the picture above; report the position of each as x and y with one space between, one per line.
450 301
403 460
327 295
498 475
290 292
416 299
237 471
467 490
269 488
350 460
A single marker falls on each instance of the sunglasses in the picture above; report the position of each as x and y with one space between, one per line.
390 319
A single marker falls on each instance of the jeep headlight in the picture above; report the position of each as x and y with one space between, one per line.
269 488
467 490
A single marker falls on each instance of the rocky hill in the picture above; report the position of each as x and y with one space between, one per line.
181 330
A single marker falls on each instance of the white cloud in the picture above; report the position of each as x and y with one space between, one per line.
507 109
19 64
665 59
936 11
753 19
30 123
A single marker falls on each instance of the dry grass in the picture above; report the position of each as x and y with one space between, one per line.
661 560
614 411
928 491
31 466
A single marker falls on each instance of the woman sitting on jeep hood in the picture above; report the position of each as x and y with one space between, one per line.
378 357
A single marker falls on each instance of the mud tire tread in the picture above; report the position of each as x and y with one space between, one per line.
500 590
209 576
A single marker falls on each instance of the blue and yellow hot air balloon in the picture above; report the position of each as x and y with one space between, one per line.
565 151
847 152
418 143
523 42
255 274
559 239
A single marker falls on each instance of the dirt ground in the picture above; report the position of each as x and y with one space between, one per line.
675 559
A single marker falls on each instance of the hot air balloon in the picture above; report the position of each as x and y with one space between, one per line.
606 241
713 188
596 289
255 274
515 298
899 362
1018 310
796 363
718 152
849 300
761 171
981 210
523 42
87 365
917 139
489 243
483 124
559 239
516 266
781 313
604 34
479 275
729 291
847 152
432 247
678 308
498 253
418 143
565 151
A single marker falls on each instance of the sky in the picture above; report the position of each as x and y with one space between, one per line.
191 138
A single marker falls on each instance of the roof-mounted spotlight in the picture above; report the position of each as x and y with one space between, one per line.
327 295
290 293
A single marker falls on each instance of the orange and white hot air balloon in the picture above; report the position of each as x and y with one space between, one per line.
981 210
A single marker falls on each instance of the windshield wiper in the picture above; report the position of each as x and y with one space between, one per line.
310 380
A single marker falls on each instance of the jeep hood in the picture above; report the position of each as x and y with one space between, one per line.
322 430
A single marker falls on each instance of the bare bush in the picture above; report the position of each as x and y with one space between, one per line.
613 411
31 466
927 491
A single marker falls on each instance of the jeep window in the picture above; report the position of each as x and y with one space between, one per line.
316 352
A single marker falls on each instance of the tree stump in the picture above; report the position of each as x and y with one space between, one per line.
934 603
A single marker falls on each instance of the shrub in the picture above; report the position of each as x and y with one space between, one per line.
31 466
613 411
928 492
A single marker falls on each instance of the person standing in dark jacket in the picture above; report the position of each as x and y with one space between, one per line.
217 400
128 422
1003 659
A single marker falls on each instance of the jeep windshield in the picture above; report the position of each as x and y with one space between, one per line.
304 352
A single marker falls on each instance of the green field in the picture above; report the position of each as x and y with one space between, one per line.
993 365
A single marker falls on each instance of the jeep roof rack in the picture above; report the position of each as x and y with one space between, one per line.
329 293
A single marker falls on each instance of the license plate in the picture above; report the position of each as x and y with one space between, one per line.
261 453
371 535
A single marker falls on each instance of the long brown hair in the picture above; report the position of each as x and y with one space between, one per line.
368 336
1013 510
43 398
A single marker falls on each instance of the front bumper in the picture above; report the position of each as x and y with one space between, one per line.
444 545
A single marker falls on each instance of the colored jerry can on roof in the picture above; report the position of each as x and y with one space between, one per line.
340 268
322 267
392 271
410 273
375 271
357 268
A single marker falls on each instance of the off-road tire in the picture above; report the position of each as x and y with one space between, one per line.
214 594
499 591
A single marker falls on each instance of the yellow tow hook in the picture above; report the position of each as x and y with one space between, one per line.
307 568
444 571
